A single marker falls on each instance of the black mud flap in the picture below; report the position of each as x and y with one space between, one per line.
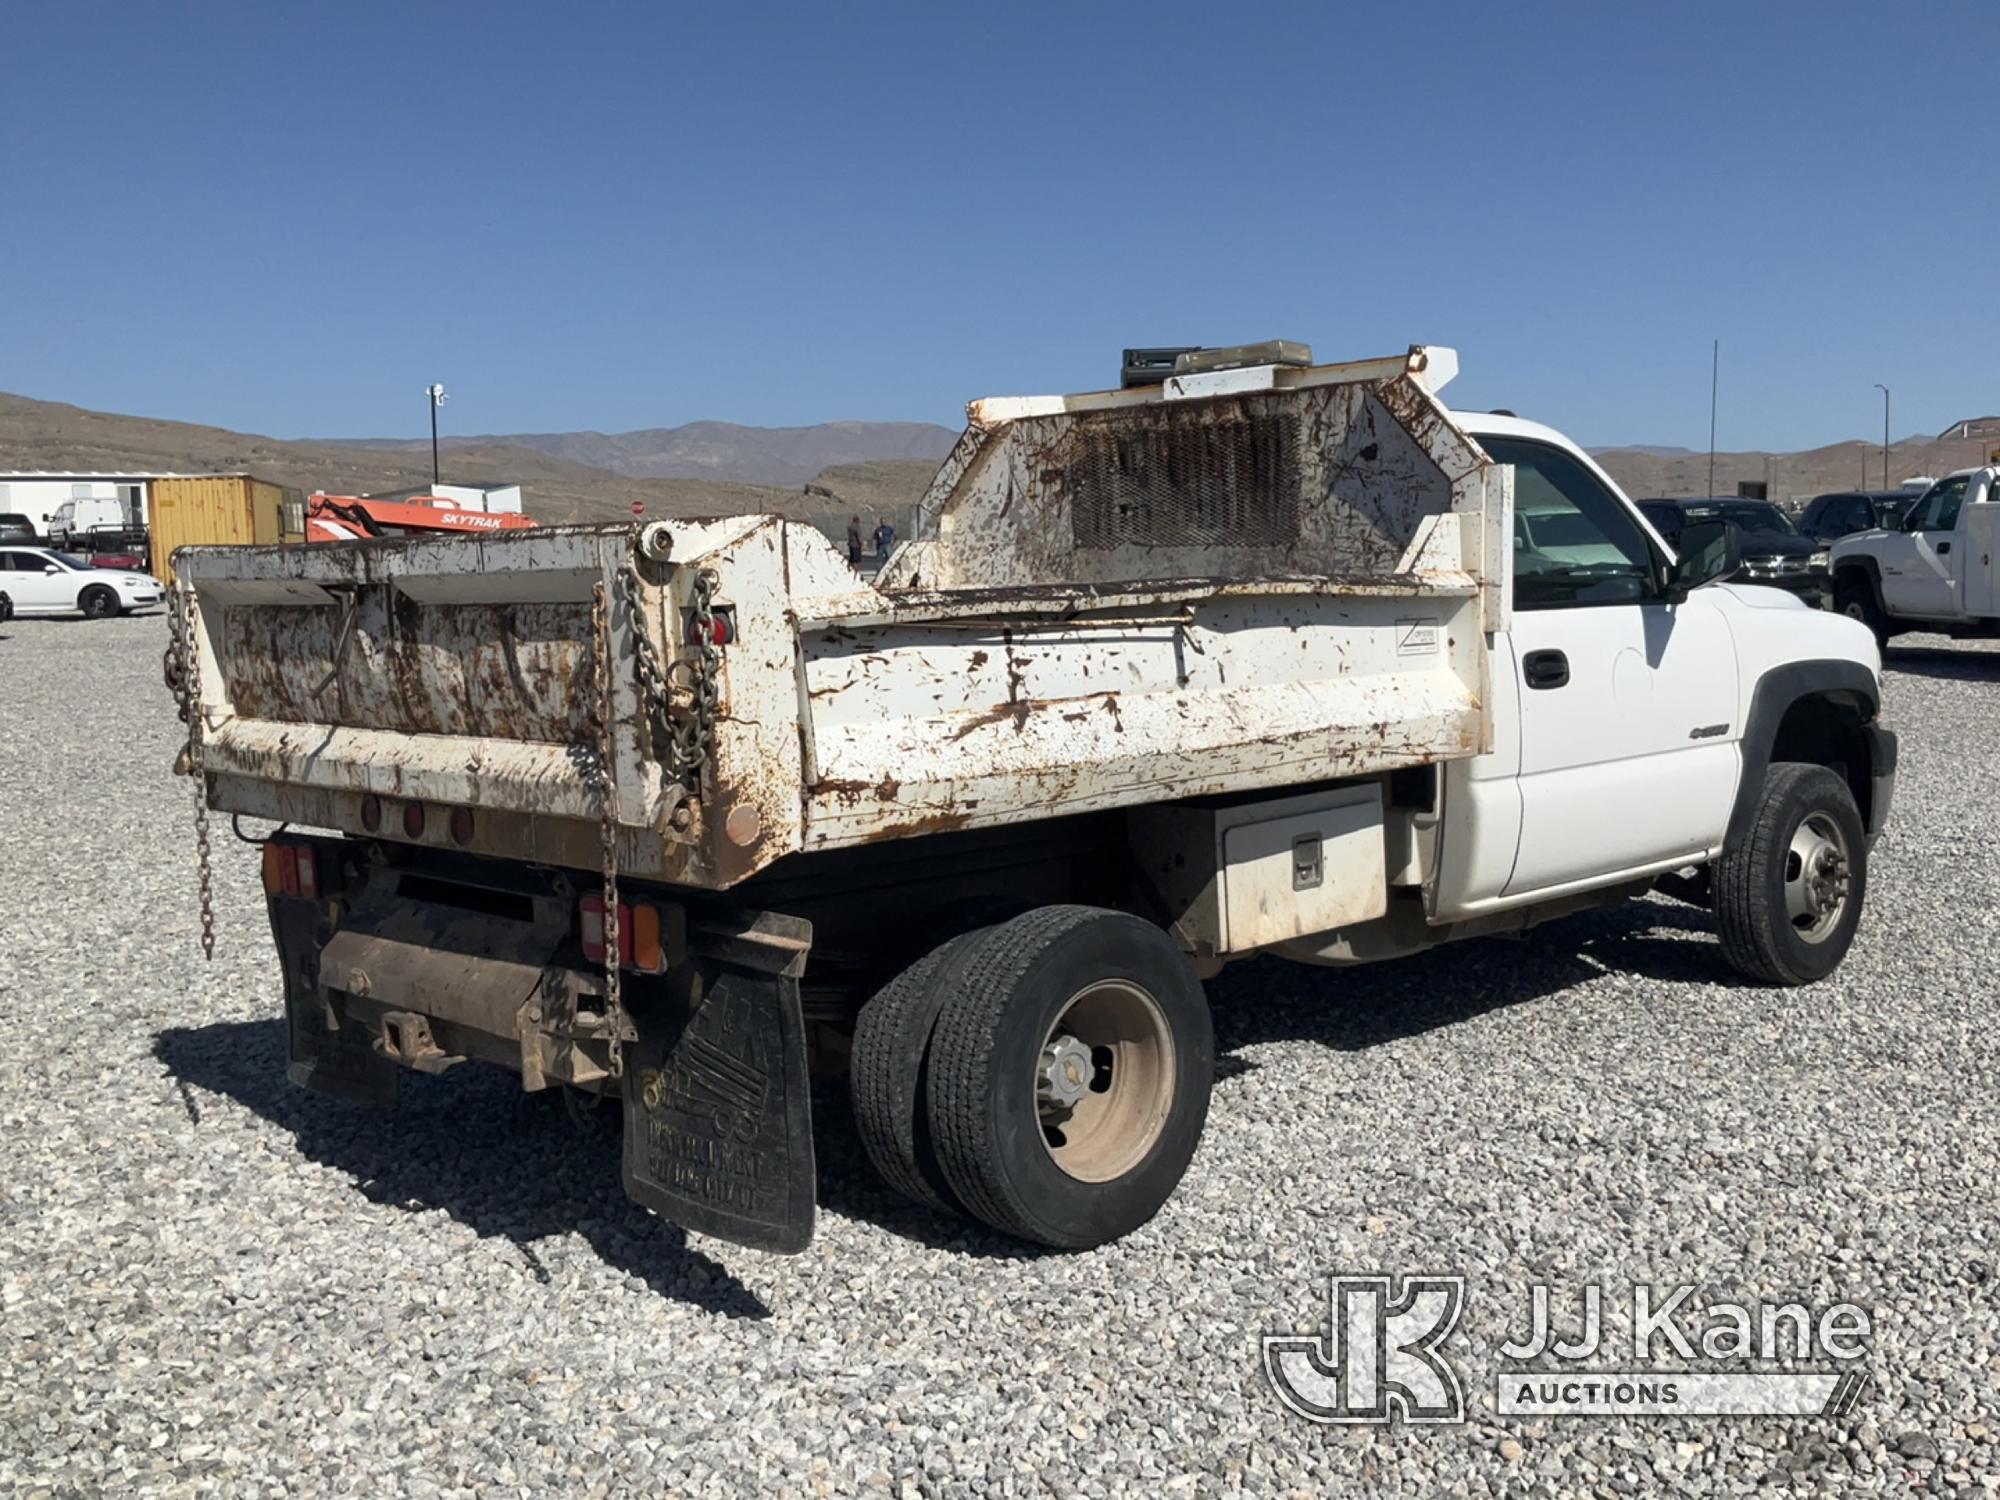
324 1051
718 1121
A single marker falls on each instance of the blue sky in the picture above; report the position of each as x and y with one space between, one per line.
290 219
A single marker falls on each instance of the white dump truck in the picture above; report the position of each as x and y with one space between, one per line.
1264 657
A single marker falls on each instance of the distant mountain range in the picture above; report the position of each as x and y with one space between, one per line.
783 456
51 436
718 468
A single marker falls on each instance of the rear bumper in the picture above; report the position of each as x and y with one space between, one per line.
427 963
1881 776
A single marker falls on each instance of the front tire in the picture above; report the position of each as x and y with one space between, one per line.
1788 895
1854 596
1069 1075
98 602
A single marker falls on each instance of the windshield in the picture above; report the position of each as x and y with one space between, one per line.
1749 518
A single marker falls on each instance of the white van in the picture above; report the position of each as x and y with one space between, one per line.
75 518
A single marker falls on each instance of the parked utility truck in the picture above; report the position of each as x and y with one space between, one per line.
1265 657
1933 569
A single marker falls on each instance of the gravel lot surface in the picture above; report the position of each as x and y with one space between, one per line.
213 1283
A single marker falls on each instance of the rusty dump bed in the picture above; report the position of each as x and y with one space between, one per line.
1250 579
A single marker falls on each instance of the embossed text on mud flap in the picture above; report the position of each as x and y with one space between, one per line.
718 1123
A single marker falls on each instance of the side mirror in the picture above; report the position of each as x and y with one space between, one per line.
1709 550
50 568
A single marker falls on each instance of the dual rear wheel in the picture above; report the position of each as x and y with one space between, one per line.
1049 1075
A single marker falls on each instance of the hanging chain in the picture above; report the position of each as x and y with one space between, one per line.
654 698
607 823
681 740
707 670
181 668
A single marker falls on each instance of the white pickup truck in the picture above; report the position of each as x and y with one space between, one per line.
1935 570
1266 657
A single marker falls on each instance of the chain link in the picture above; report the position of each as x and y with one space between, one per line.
680 741
607 823
181 668
707 670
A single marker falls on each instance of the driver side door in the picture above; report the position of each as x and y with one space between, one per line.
1628 753
1919 577
33 587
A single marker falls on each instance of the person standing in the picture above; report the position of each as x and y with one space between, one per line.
854 543
885 540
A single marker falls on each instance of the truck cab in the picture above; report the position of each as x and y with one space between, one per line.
1622 703
1934 568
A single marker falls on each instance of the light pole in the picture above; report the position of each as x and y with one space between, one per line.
1714 385
1885 432
438 398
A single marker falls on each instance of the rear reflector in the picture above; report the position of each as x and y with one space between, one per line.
277 862
590 922
461 825
413 820
371 813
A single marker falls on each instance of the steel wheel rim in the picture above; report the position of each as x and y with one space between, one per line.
1818 875
1104 1080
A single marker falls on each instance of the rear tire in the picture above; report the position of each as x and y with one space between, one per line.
98 602
1788 897
1069 1075
886 1075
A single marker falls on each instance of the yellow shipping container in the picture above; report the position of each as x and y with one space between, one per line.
201 510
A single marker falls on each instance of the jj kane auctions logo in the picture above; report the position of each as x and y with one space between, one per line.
1381 1356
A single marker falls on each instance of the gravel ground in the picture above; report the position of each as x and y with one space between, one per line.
213 1283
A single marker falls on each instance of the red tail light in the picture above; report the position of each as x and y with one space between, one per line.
291 870
413 820
371 813
461 825
721 627
639 934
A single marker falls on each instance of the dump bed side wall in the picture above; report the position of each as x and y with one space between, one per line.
461 672
922 727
